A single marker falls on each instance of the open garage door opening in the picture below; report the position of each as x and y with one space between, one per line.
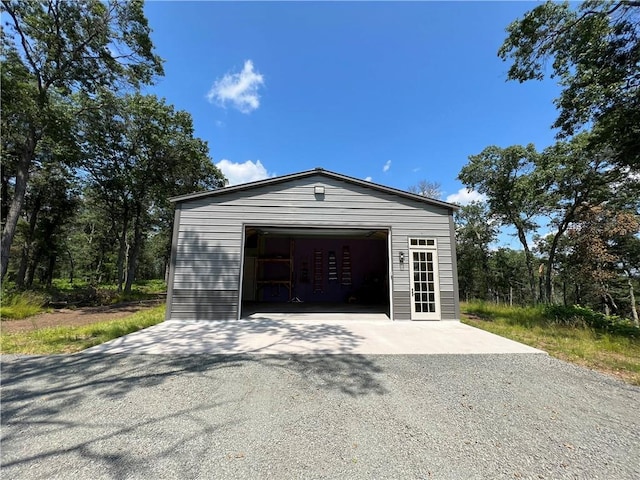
315 270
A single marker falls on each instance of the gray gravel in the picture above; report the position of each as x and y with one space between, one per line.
339 416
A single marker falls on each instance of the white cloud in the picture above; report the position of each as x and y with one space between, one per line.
238 89
387 166
414 170
368 179
245 172
465 196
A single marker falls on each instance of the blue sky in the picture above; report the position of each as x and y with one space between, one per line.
392 92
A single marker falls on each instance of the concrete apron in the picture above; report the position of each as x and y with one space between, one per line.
311 334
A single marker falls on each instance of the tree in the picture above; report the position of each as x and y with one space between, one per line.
514 195
574 176
137 152
594 50
507 273
475 231
427 189
604 244
50 204
59 47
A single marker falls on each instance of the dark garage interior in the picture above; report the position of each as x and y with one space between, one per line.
315 270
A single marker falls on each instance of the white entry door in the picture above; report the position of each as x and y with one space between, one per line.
425 298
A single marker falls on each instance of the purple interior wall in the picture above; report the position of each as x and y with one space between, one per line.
368 272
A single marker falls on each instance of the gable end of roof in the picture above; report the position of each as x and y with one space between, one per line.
309 173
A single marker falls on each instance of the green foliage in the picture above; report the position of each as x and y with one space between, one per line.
594 49
578 316
75 339
475 231
514 194
19 305
574 316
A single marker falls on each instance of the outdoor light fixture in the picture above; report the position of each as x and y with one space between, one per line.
401 257
318 190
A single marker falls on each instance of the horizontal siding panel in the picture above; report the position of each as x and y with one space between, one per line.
330 201
401 306
448 305
306 217
203 307
226 244
219 295
230 314
203 284
199 269
212 225
205 279
220 235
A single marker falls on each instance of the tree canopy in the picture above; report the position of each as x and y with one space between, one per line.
593 50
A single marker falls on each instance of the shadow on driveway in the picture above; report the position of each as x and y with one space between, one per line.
255 336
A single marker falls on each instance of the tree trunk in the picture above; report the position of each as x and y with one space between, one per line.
50 268
24 261
135 251
26 248
632 298
541 292
529 261
31 271
122 249
548 280
22 176
71 266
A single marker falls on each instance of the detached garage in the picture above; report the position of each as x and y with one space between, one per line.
314 241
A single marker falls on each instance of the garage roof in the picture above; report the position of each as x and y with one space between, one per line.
311 173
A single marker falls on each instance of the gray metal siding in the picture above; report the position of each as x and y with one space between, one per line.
203 304
401 306
208 255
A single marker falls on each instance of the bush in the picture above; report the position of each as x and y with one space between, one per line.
578 316
22 305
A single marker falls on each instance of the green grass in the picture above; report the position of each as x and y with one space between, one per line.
612 353
75 339
22 305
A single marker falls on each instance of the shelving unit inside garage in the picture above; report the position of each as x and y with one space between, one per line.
273 273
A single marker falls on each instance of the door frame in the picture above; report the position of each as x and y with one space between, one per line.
424 245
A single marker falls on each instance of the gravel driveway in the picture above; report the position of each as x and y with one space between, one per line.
336 416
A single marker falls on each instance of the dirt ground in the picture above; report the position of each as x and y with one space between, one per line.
75 317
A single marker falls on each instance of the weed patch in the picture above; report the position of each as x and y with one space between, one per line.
22 305
75 339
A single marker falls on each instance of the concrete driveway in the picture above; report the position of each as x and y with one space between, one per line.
312 334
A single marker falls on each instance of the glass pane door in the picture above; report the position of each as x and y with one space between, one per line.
424 288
